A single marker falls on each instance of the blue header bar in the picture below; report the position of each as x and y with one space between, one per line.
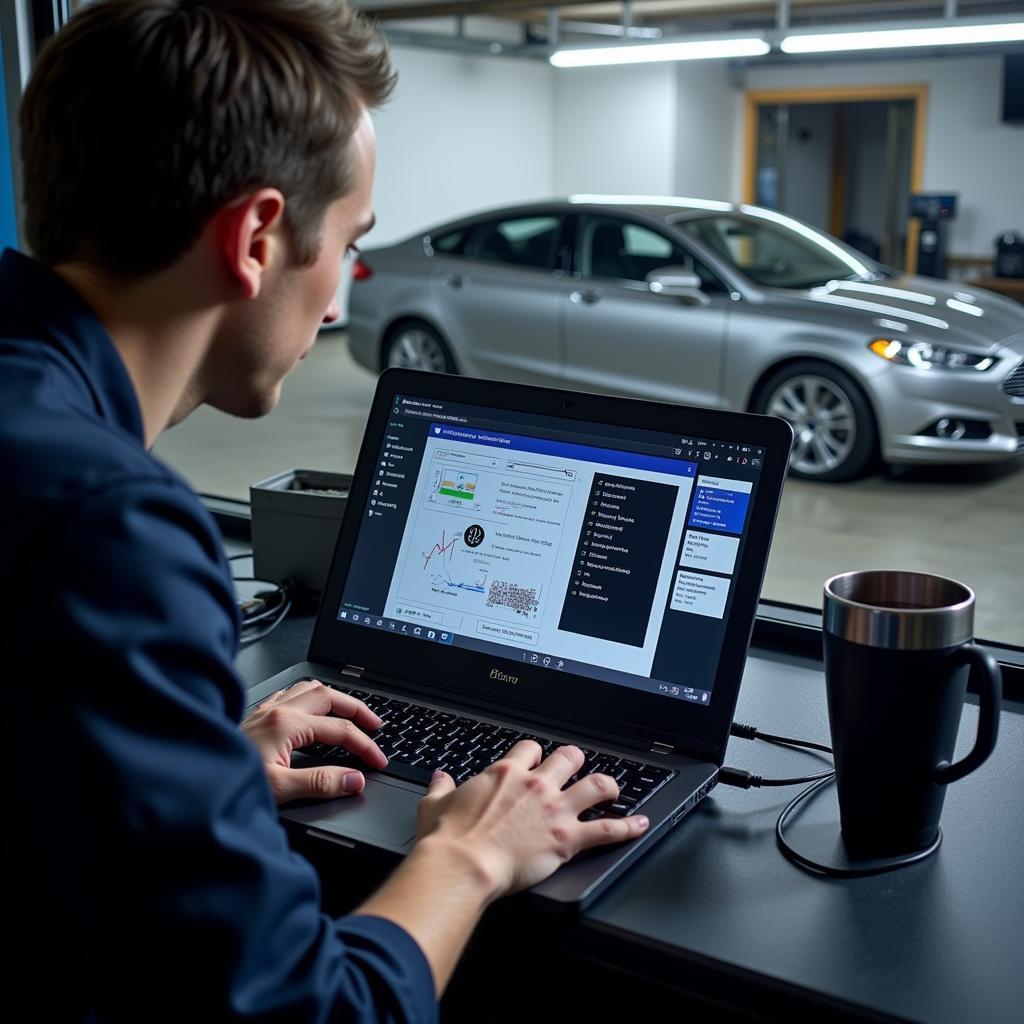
562 449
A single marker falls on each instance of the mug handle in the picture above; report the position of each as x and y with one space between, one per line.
990 678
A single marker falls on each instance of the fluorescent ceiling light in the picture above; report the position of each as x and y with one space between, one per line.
896 38
640 53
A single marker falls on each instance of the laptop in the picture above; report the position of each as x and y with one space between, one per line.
518 562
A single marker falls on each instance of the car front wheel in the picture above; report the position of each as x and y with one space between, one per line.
835 433
417 346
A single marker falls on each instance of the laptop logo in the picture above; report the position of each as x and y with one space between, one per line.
503 677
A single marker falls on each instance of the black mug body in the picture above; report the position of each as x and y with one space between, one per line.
894 717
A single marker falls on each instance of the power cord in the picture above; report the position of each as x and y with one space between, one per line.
266 609
874 866
744 780
750 732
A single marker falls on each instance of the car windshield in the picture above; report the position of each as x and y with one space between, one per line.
777 251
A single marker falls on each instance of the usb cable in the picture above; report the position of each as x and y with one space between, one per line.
744 780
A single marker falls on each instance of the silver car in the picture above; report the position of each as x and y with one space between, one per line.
708 303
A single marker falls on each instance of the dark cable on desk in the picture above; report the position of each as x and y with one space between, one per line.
273 615
261 612
750 732
249 638
744 780
869 867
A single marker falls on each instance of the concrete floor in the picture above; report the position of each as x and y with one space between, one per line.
957 522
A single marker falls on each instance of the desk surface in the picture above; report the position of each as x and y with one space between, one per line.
714 906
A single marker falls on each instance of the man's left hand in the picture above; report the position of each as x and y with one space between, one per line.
305 713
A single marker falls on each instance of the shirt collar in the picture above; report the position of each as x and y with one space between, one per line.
39 299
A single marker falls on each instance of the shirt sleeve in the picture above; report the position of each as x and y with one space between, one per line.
183 896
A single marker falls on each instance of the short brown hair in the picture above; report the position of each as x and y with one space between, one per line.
144 117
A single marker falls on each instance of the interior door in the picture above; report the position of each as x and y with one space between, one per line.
622 338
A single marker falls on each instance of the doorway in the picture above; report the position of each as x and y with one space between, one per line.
843 159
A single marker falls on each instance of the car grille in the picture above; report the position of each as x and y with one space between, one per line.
1014 384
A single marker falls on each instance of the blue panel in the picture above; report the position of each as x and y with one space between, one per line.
563 449
8 223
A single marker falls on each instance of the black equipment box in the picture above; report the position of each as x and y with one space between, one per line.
295 519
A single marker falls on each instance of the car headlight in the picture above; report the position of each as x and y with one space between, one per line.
925 356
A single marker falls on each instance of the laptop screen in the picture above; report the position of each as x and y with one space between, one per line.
583 548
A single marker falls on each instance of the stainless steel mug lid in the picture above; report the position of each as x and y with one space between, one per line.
911 611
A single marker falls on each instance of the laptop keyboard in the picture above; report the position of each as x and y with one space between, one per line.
418 740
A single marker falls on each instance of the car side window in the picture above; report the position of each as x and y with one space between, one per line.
625 251
709 280
619 249
451 244
520 241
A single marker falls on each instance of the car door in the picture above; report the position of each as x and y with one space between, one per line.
622 338
502 295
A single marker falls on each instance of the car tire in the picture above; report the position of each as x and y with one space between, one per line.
415 345
836 434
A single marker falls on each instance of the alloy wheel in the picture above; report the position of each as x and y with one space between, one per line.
416 349
823 420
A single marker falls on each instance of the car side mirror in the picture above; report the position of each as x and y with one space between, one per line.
679 283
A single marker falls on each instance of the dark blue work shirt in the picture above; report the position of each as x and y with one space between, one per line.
149 876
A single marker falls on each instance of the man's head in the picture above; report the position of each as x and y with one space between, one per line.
145 117
215 154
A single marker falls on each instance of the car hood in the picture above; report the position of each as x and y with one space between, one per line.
943 312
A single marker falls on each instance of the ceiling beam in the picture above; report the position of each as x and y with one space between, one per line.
467 8
649 11
613 9
655 11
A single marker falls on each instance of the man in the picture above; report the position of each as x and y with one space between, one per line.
194 173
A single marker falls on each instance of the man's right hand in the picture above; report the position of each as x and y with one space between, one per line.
515 819
504 830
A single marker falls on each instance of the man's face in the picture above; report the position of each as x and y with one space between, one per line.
280 326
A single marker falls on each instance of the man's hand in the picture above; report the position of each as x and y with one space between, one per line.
305 713
515 820
505 829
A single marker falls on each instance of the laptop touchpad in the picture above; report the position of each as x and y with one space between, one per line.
382 814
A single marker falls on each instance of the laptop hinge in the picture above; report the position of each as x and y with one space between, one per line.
355 671
662 748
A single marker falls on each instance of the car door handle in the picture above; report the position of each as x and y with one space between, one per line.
453 280
585 295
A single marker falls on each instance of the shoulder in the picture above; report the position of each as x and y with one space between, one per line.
53 442
59 458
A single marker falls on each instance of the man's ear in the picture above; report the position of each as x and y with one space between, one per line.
249 237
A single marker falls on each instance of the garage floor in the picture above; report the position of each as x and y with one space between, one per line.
958 522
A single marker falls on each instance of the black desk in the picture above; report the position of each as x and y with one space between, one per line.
714 911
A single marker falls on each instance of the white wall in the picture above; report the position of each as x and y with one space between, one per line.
706 150
968 149
465 133
615 129
460 134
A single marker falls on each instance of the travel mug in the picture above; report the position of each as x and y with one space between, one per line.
898 653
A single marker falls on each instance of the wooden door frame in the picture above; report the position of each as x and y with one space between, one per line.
916 92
